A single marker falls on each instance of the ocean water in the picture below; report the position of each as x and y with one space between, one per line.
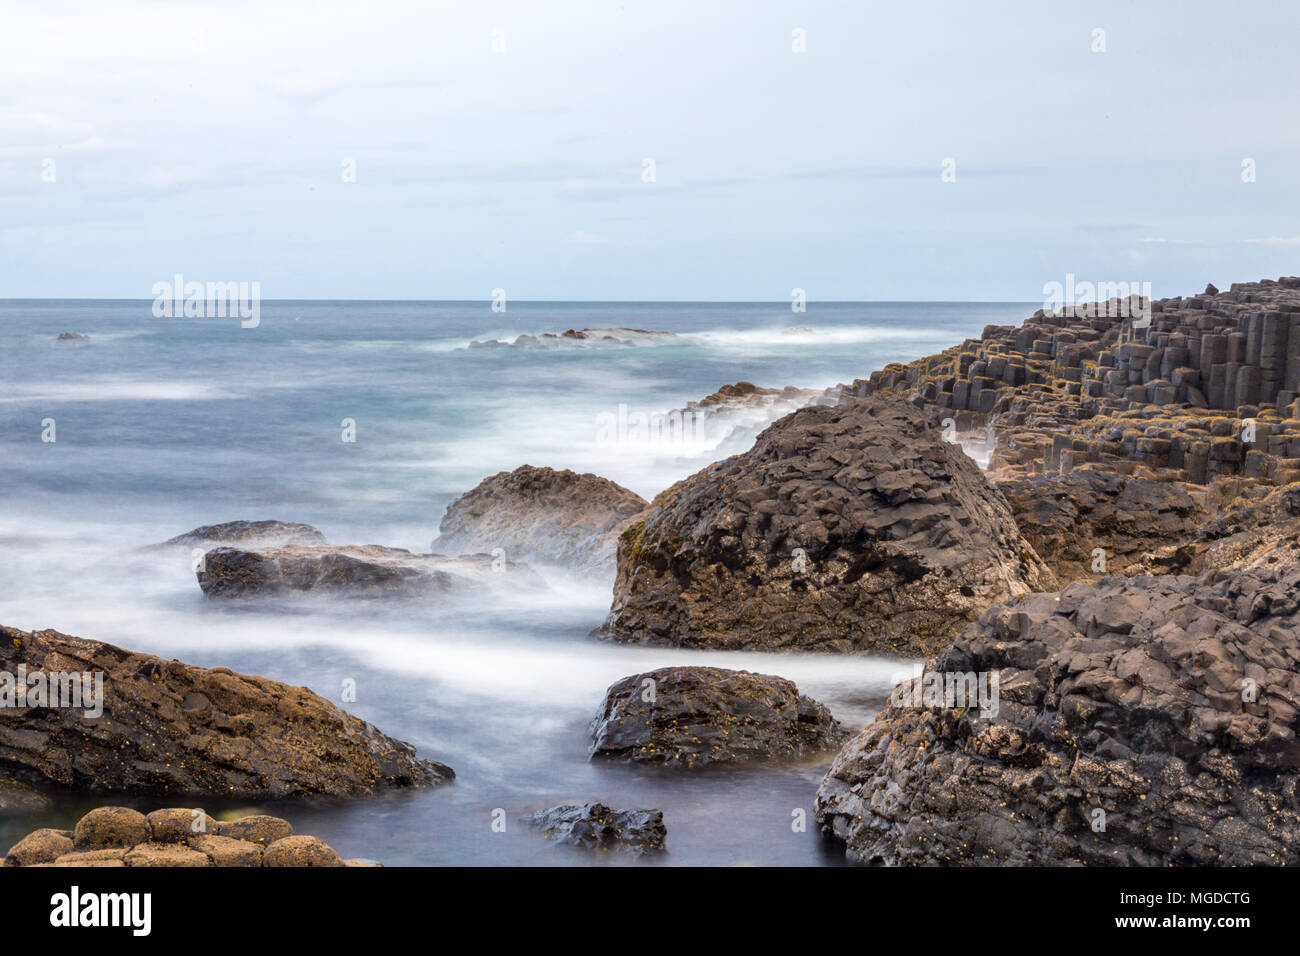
162 425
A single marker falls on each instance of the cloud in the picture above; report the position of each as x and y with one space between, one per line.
1274 241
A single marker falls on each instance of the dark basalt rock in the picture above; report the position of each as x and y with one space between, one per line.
1144 721
260 534
1135 521
170 728
692 716
597 827
365 571
853 528
543 516
71 338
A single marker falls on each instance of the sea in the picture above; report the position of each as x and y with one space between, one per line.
366 419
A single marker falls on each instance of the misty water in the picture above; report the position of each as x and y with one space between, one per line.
163 425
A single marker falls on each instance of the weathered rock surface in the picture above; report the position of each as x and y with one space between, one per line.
1147 721
543 516
248 534
692 716
362 571
1134 521
119 836
1263 530
18 797
170 728
854 528
595 826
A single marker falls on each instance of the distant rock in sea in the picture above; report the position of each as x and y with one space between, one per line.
577 337
171 728
71 338
543 516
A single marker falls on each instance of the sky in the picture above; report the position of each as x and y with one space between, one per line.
443 150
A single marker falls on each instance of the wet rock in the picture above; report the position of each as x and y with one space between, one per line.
71 338
40 846
1145 721
595 826
543 516
358 571
853 528
170 728
17 797
115 836
300 851
111 827
177 825
692 716
248 534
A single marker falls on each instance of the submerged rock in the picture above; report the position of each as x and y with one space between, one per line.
71 338
692 716
369 570
542 515
597 827
577 337
170 728
854 528
1146 721
259 534
119 836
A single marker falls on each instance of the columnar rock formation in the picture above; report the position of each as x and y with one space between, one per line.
1209 388
1148 721
170 728
845 529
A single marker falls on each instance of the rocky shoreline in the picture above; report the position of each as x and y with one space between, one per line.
1109 613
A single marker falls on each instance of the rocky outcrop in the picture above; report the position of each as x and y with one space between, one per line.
120 836
854 528
1196 389
543 516
71 338
1253 531
1149 721
170 728
247 534
595 826
17 797
577 337
692 716
361 571
1088 522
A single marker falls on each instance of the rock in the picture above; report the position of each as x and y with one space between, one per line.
170 728
360 571
300 851
17 797
247 534
595 826
543 516
226 851
71 338
39 846
111 827
1066 518
256 828
165 854
116 836
852 528
1145 721
583 338
692 716
178 825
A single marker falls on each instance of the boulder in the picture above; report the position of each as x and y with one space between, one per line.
248 534
171 728
176 825
1145 721
543 516
300 851
692 716
40 846
360 571
849 528
165 854
257 828
595 826
111 827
